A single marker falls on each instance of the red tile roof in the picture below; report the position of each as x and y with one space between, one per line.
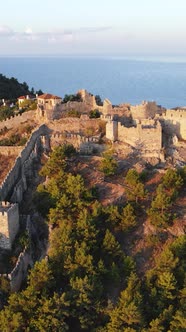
26 97
48 96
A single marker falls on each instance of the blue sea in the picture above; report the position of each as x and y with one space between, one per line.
118 79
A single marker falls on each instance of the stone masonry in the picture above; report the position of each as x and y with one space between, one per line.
9 224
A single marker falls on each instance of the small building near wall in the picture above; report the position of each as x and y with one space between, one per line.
46 104
48 100
21 99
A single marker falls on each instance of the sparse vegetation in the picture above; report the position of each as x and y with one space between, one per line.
73 114
108 164
28 105
72 97
94 114
5 112
98 100
14 139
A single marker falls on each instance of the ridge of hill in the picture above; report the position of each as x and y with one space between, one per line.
11 88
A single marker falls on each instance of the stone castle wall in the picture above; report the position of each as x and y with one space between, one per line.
62 109
82 143
49 112
74 125
26 157
19 273
144 111
146 135
107 107
174 122
87 98
24 261
9 224
10 179
112 130
13 222
18 119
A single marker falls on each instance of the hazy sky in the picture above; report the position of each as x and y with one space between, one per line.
94 27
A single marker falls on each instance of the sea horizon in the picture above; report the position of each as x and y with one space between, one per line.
121 79
130 57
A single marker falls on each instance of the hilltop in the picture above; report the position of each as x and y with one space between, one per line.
11 88
106 211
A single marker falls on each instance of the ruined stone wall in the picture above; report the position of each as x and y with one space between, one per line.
26 156
24 261
62 109
144 111
174 122
58 139
50 112
19 273
112 130
10 179
107 107
18 119
146 137
82 143
9 224
13 222
74 125
32 144
4 231
128 135
88 98
18 190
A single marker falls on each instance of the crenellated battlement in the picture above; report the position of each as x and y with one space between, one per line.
28 152
17 119
76 136
145 110
145 134
175 113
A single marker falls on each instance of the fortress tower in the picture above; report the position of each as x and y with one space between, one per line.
9 224
147 109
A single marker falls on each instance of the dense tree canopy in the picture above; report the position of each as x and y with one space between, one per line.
88 282
11 89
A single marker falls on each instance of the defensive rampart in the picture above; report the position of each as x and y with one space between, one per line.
146 135
144 111
82 143
24 261
20 167
75 125
9 224
174 122
17 119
